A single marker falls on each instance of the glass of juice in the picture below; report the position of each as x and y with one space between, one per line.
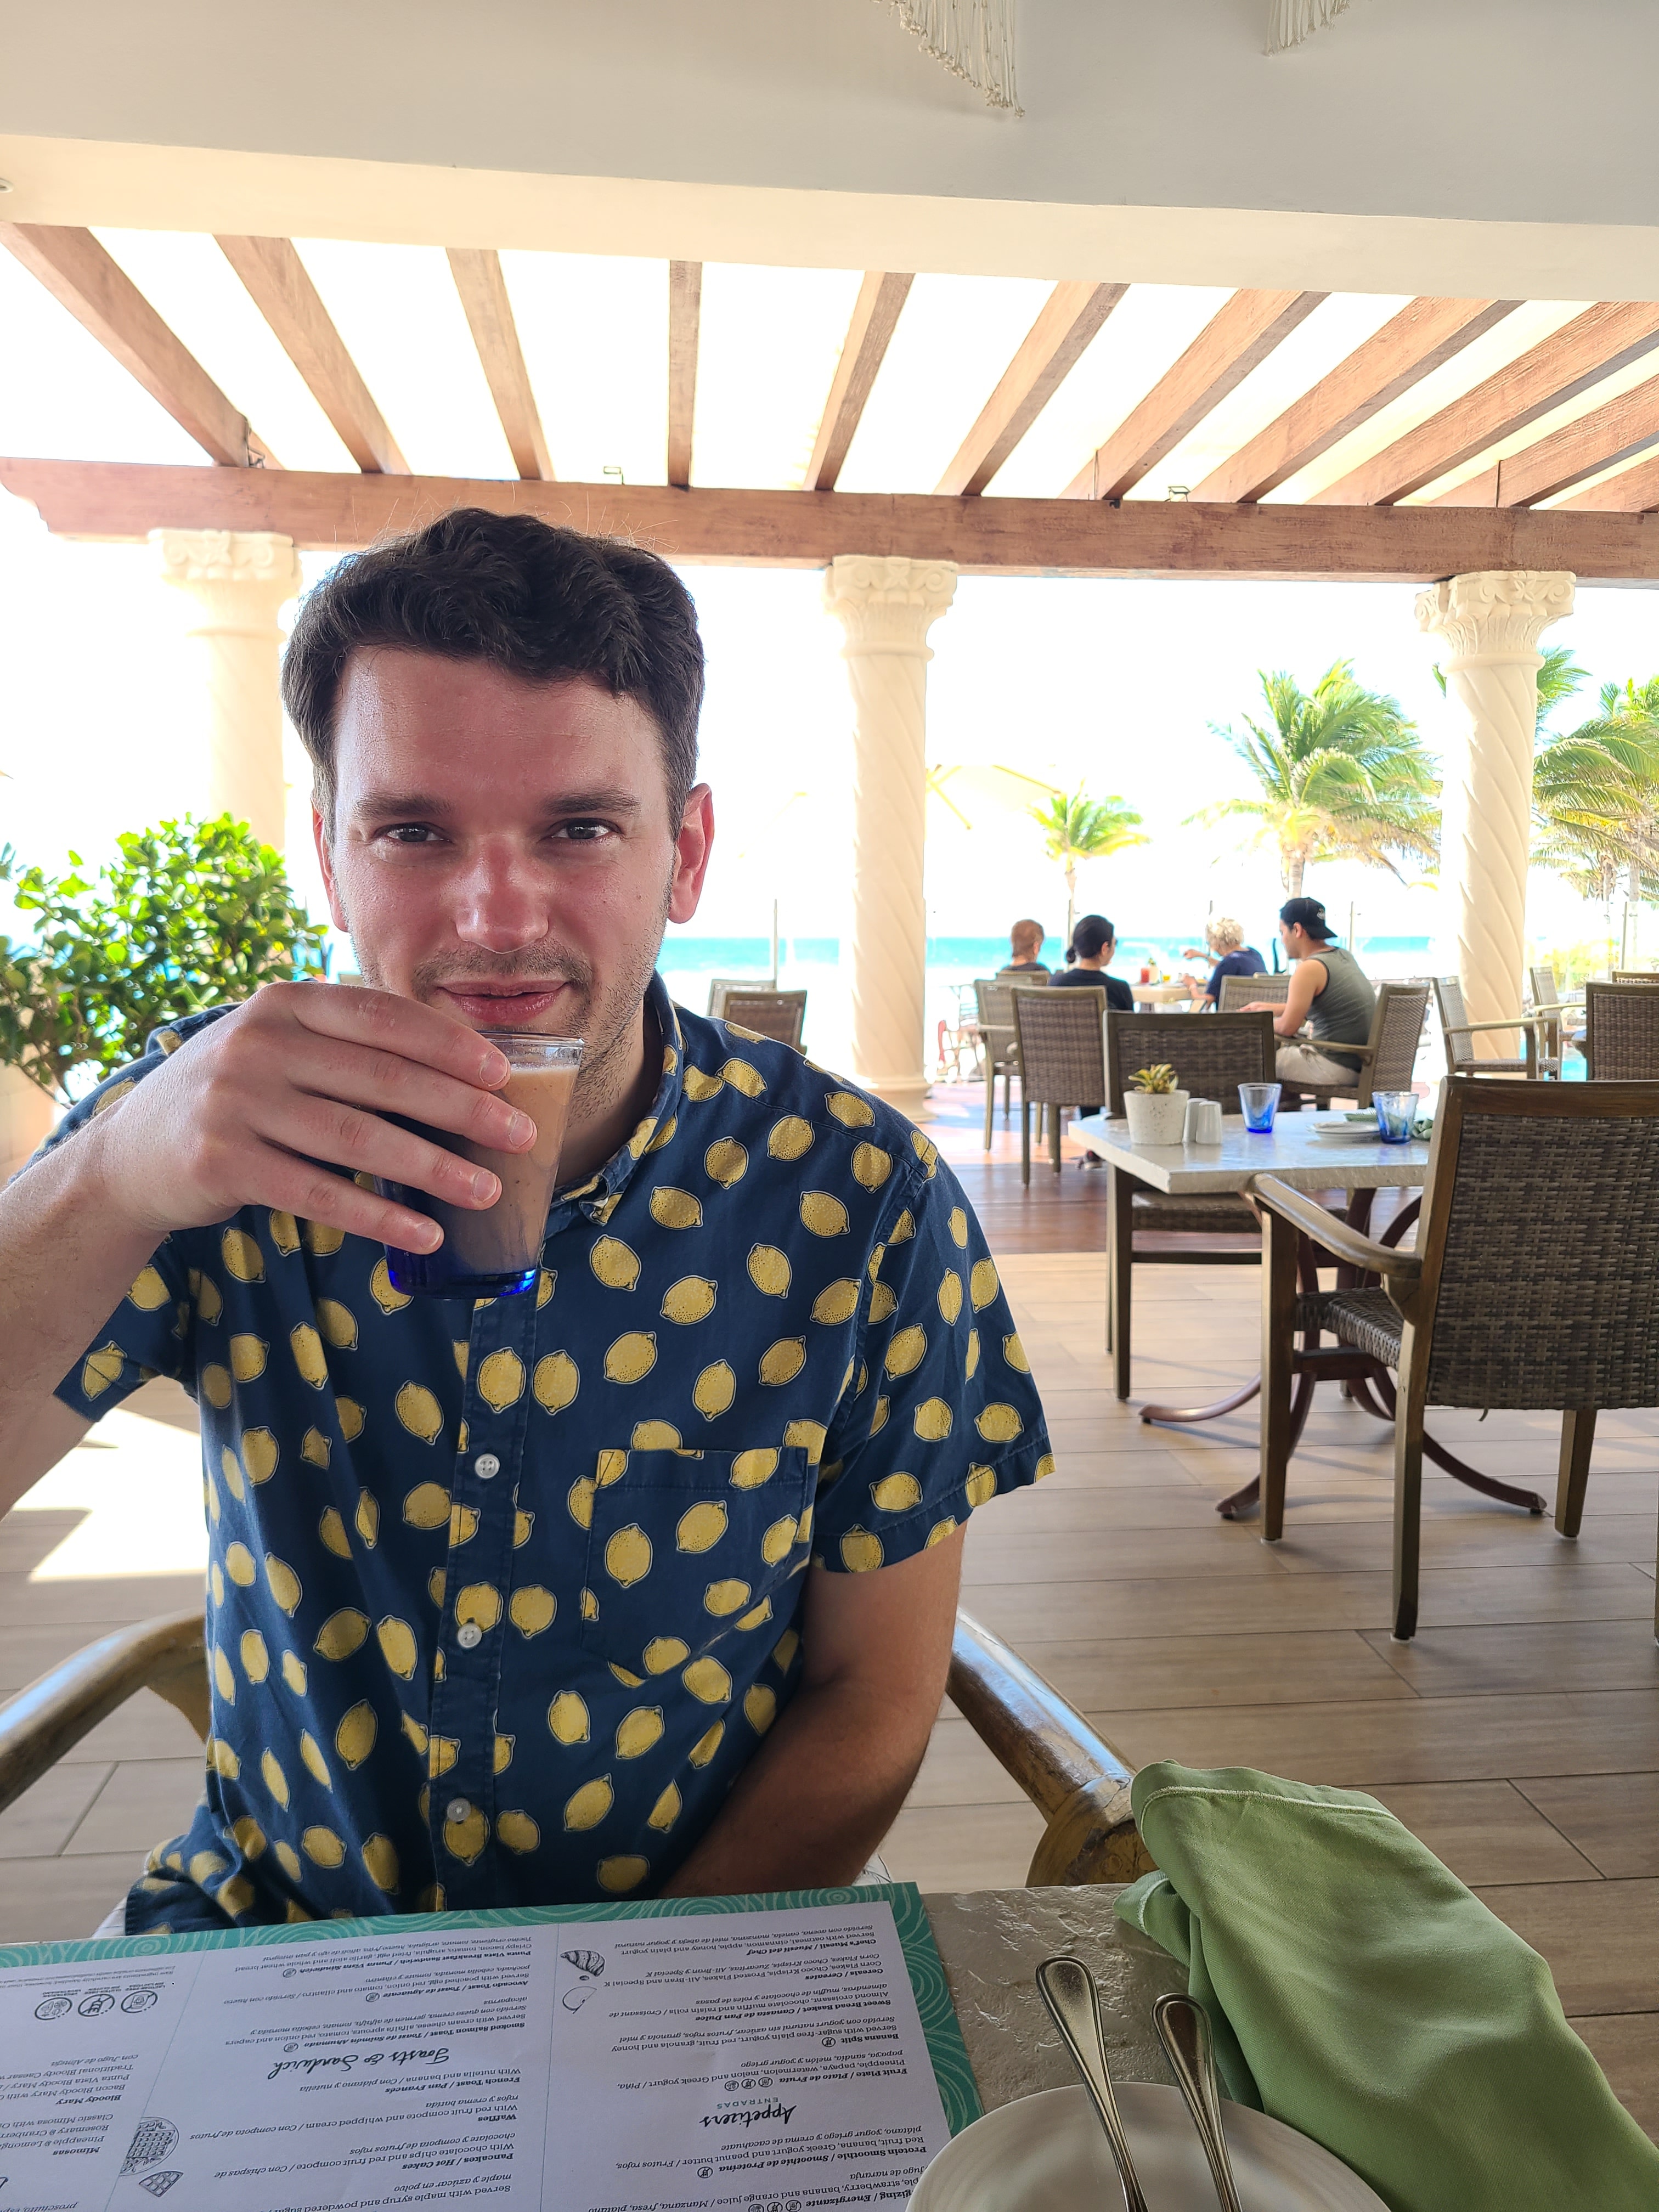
493 1253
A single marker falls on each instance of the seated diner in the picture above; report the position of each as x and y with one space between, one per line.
1330 996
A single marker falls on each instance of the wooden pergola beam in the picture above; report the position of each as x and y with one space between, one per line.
279 286
1635 492
1605 337
84 277
1409 346
869 333
335 512
1618 431
1231 343
684 328
1056 342
483 288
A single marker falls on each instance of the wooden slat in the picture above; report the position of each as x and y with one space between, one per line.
125 501
84 277
282 291
1591 346
1409 346
482 288
1618 432
1634 492
875 318
684 319
1242 334
1056 342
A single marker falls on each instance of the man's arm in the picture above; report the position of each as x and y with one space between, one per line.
1307 982
822 1792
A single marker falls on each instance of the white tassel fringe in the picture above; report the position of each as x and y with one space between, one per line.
1289 21
974 39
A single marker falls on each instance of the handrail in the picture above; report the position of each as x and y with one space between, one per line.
69 1700
1070 1774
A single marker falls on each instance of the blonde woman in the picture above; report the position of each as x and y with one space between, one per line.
1225 939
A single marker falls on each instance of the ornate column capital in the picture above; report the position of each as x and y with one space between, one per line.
885 602
227 556
1495 614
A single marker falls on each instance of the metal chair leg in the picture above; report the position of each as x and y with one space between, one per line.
990 1101
1053 1138
1577 1436
1281 1254
1119 1264
1024 1138
1407 1494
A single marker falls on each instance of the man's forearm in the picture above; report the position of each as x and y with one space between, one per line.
66 1261
815 1800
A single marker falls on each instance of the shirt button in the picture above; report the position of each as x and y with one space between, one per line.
458 1809
468 1636
486 1464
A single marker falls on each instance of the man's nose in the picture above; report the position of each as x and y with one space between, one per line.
499 902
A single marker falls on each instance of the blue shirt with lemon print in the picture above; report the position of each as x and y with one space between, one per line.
502 1597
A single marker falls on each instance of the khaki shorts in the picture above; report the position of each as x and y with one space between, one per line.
1303 1063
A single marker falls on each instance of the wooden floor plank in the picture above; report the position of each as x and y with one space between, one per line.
1602 1939
1612 1819
1486 1832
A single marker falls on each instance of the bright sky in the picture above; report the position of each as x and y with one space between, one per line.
1114 685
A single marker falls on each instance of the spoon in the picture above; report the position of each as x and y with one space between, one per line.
1068 1988
1184 2029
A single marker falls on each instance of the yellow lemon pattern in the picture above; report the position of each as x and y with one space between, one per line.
769 1309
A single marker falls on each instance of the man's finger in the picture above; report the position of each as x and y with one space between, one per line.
311 1193
404 1026
326 1129
387 1083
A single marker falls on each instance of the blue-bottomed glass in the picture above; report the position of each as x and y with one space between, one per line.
494 1252
1396 1115
1260 1102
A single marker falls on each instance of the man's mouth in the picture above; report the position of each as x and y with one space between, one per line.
507 1004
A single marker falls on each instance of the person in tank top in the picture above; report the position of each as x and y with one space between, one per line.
1330 997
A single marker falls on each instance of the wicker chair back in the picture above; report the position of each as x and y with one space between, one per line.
1396 1033
994 1002
1211 1058
1062 1060
1541 1243
1633 976
1240 991
1621 1032
780 1014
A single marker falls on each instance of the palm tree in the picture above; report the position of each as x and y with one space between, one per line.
1080 828
1342 776
1558 678
1595 797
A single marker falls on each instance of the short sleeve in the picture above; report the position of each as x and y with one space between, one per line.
151 1331
942 1414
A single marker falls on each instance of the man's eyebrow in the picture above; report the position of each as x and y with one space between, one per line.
408 805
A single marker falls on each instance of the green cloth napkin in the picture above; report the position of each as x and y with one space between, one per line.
1360 1993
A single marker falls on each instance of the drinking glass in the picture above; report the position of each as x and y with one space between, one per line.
495 1252
1396 1115
1260 1102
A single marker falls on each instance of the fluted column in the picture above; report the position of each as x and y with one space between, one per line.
886 604
234 582
1492 621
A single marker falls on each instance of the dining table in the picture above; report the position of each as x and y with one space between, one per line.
1357 1165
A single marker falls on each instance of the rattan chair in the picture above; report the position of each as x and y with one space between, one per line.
778 1014
719 985
1552 1036
1238 992
1062 1060
1633 976
1621 1032
1458 1032
1533 1285
1211 1058
999 1048
1387 1058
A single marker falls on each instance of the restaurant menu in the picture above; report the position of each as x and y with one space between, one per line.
768 2060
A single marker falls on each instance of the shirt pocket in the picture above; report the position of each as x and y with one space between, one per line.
687 1547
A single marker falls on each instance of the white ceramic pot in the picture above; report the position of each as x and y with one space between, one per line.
1155 1118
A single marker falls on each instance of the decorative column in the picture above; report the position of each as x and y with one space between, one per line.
887 604
1492 621
234 581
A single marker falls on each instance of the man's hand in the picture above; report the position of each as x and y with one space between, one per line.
306 1073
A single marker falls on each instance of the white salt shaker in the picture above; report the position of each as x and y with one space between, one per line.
1203 1124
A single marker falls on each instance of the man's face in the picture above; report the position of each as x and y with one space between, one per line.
502 850
1291 937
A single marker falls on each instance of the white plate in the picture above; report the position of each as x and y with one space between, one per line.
1333 1125
1046 2153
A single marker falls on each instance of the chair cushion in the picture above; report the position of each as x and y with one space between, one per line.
1206 1213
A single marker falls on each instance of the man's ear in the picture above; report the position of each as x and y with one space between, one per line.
319 838
692 849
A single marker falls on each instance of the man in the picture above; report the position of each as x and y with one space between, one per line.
1224 940
1025 940
1094 943
569 1593
1328 992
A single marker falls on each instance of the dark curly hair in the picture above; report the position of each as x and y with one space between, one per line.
539 602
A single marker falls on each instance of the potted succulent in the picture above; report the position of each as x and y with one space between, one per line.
188 915
1157 1110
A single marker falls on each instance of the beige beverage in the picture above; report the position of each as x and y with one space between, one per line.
487 1253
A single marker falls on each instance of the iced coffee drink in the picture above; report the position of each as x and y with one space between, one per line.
495 1252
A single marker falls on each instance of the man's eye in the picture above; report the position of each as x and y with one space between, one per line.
409 833
584 833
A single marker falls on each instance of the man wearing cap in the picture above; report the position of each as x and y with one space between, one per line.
1329 996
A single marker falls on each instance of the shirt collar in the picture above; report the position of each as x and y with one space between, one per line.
599 1195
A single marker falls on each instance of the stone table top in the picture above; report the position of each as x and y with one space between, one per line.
1290 1151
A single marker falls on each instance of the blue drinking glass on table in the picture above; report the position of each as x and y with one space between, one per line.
495 1252
1260 1102
1396 1115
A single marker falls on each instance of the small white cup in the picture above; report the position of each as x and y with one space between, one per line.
1203 1125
